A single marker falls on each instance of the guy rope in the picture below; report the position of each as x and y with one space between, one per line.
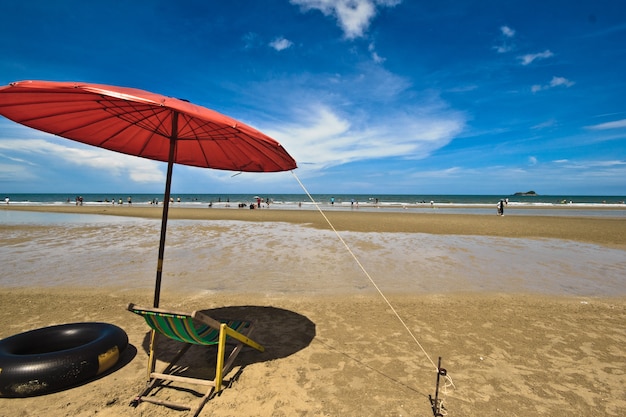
436 402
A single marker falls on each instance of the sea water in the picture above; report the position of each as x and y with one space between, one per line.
205 257
445 204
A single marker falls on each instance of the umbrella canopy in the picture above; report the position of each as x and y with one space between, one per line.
140 123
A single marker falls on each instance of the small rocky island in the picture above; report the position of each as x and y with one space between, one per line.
527 193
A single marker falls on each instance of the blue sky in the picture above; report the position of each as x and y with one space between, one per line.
369 96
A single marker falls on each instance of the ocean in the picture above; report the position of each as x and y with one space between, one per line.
325 199
468 204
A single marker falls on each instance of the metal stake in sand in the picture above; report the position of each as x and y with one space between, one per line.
435 403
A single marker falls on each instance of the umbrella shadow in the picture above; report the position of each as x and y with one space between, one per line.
281 332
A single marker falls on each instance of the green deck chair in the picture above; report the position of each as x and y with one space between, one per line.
192 329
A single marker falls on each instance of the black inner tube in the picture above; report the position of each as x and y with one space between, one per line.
57 357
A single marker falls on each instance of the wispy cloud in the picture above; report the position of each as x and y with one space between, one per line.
13 172
507 31
530 58
281 44
251 40
617 124
505 46
545 125
555 82
324 138
110 163
13 159
591 164
377 58
561 81
353 16
539 177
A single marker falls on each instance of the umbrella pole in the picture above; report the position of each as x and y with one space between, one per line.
166 206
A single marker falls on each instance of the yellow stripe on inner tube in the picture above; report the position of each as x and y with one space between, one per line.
108 359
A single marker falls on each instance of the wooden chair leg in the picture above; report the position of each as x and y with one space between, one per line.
213 387
219 367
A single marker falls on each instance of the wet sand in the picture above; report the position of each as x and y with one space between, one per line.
511 348
605 231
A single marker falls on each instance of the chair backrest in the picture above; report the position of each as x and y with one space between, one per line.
181 326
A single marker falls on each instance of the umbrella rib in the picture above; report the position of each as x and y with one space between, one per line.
258 146
142 122
169 113
195 136
154 128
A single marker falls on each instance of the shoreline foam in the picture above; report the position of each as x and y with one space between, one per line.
609 231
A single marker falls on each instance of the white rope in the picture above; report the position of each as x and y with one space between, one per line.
444 390
449 383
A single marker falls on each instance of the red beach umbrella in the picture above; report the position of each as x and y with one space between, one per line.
141 123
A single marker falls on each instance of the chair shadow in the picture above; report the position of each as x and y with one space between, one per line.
281 332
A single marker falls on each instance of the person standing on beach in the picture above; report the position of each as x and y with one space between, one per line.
6 199
130 201
332 201
500 207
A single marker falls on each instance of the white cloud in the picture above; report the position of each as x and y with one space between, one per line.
353 16
554 82
536 88
591 165
532 160
530 58
9 172
504 46
617 124
377 58
560 81
546 124
614 163
14 159
462 88
110 163
281 44
607 175
501 49
324 138
507 31
251 40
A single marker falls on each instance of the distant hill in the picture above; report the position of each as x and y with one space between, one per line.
527 193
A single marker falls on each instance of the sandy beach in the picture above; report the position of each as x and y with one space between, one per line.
527 312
